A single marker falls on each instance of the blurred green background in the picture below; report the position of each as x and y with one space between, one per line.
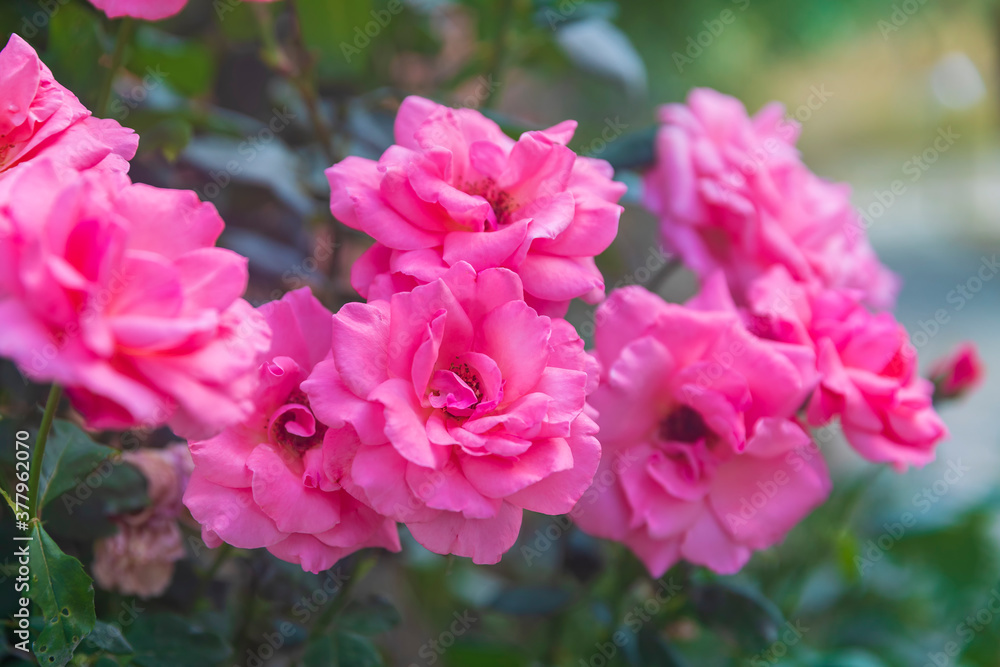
248 104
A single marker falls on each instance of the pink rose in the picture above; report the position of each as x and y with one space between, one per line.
167 472
733 195
868 368
116 292
276 480
456 188
958 373
139 559
39 118
469 407
703 457
149 10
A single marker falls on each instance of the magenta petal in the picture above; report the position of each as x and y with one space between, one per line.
483 540
360 341
281 494
516 338
231 514
448 489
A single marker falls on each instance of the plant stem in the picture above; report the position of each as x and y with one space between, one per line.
494 66
122 41
340 602
299 74
51 405
225 551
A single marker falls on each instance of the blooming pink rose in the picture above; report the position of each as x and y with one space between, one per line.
958 373
868 367
149 10
468 406
733 195
456 188
703 457
139 559
40 118
116 292
276 480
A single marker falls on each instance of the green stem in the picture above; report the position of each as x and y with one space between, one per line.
55 394
330 614
225 551
122 41
300 75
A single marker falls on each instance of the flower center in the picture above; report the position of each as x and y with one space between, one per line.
294 426
4 149
501 203
469 377
684 424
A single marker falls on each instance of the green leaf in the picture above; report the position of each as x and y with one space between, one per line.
528 601
343 649
370 617
320 653
162 59
64 595
480 653
356 651
86 516
168 640
70 456
335 31
109 638
656 651
739 614
74 47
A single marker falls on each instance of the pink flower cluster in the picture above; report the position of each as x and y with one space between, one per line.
276 480
704 409
455 188
456 396
111 289
733 196
447 402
